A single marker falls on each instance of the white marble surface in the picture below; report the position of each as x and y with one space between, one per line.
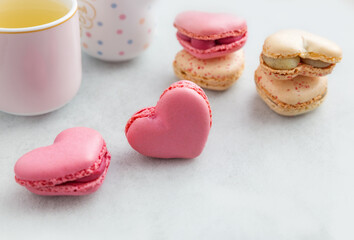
260 177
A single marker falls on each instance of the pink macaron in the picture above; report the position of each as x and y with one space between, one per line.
178 127
210 35
75 164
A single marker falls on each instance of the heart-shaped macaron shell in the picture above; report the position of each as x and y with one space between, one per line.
292 43
178 127
75 164
210 35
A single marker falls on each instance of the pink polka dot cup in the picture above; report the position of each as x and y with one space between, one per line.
115 30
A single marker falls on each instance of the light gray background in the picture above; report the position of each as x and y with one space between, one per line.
261 176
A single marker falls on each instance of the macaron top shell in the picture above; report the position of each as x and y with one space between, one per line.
209 26
292 43
185 85
63 157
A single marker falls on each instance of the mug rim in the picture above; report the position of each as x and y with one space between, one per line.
42 27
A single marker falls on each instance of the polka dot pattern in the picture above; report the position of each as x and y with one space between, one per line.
122 38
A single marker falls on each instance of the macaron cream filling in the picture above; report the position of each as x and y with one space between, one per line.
290 63
95 175
92 177
207 44
315 63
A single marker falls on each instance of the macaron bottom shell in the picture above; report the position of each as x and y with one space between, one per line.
288 109
215 74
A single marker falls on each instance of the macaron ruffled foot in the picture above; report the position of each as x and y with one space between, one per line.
178 127
75 164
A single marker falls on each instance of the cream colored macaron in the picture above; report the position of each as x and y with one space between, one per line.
293 97
289 53
215 74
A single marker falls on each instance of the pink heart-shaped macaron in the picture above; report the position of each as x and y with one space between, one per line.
210 35
178 127
75 164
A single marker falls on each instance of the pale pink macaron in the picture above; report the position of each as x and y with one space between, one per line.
178 127
210 35
75 164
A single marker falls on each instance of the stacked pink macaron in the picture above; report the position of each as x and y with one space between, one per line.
212 42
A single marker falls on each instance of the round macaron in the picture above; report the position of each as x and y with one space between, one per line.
215 74
292 97
210 35
75 164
